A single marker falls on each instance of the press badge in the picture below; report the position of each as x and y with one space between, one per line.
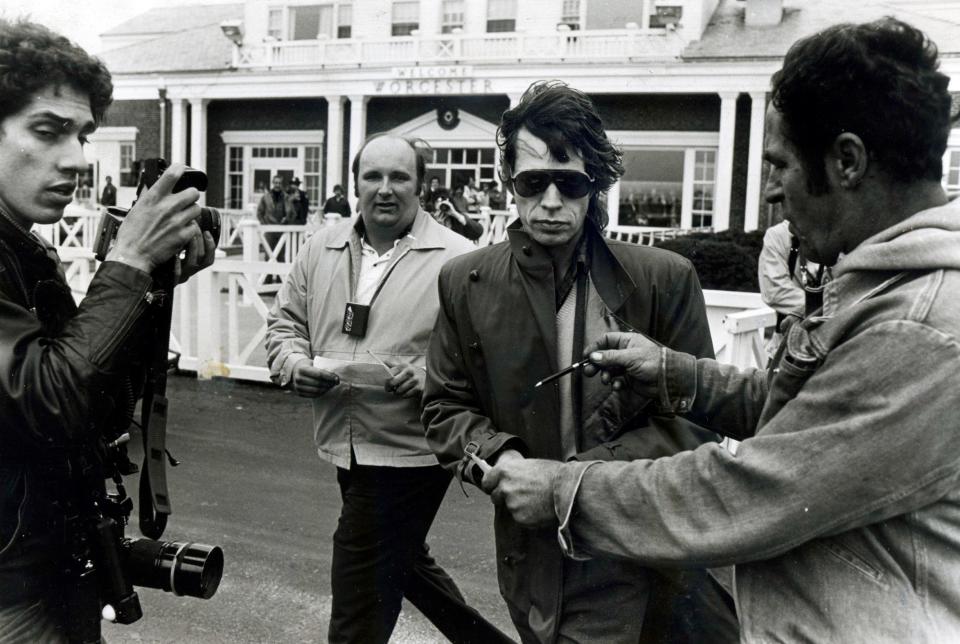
355 318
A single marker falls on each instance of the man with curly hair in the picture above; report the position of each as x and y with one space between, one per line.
841 509
59 364
512 314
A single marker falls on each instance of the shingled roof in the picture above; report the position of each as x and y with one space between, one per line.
165 20
198 49
188 40
728 38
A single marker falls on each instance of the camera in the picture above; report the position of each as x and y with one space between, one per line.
149 171
102 564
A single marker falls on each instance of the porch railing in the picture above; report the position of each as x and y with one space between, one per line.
220 314
446 49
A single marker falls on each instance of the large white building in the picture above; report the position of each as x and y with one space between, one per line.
293 87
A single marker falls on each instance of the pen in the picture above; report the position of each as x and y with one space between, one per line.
562 372
382 363
482 464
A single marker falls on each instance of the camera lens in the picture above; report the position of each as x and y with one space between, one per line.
180 567
210 220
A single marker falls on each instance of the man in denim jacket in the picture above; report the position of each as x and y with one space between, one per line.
841 509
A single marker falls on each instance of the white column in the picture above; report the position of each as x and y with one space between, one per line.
751 214
689 171
358 130
430 18
178 131
613 204
724 178
198 138
334 138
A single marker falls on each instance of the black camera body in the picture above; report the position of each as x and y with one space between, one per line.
150 171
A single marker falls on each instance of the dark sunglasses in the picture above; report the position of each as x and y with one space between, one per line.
570 183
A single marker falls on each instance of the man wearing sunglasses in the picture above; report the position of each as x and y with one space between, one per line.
512 314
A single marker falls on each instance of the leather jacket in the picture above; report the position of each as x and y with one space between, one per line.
58 369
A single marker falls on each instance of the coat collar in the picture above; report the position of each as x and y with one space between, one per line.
425 234
22 241
613 283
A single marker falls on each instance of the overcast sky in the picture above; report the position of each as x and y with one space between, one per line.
83 20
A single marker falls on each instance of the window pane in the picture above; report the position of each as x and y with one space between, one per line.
406 11
651 187
500 26
570 13
128 176
345 15
452 15
344 21
274 24
502 9
304 22
403 28
326 20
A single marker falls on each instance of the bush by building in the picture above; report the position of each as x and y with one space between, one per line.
725 261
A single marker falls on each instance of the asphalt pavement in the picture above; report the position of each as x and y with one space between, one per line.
250 481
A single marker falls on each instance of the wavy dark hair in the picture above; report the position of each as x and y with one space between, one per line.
33 57
561 115
878 80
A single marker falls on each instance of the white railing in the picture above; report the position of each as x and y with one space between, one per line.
220 314
231 234
648 235
76 229
439 49
231 347
738 322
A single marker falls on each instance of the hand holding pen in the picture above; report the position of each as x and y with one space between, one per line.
619 357
624 359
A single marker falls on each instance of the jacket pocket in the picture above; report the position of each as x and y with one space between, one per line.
856 561
799 360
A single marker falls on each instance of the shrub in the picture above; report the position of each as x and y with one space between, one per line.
752 241
720 263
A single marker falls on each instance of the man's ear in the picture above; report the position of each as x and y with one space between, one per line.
848 160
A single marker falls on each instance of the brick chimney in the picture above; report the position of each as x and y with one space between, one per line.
764 13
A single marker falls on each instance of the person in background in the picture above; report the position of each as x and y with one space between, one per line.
447 215
433 194
300 204
337 204
789 284
497 198
459 200
274 208
109 196
471 195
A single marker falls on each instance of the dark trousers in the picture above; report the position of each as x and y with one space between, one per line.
380 556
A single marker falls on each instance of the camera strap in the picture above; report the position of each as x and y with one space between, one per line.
153 494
